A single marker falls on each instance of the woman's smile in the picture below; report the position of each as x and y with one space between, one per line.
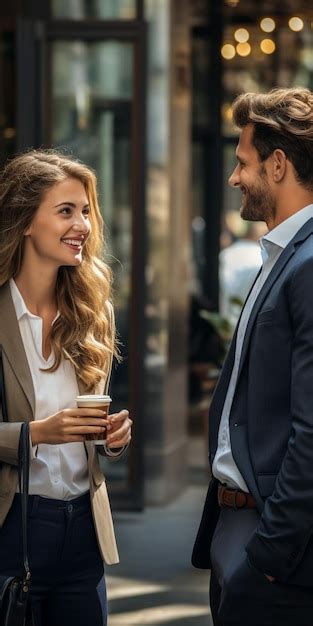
74 243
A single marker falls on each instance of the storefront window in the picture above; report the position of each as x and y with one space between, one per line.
99 9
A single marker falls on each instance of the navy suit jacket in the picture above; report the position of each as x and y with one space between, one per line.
271 420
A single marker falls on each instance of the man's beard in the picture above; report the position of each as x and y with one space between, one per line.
258 203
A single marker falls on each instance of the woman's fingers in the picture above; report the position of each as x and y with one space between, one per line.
119 429
85 412
74 424
117 418
87 421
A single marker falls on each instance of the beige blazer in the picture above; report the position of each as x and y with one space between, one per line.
21 404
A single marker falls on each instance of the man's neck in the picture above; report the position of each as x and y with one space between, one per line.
292 206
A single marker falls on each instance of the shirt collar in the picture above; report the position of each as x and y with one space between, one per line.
19 304
282 234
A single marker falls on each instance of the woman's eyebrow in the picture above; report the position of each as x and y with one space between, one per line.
72 204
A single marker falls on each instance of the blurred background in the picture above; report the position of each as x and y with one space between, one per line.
141 90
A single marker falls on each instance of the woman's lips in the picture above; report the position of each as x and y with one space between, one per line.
77 246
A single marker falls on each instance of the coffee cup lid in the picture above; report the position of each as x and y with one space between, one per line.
96 398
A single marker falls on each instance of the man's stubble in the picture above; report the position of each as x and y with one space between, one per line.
258 201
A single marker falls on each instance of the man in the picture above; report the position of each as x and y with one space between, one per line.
256 532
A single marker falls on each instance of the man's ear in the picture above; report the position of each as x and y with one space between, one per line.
279 165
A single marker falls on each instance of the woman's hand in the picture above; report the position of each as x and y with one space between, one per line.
68 426
119 429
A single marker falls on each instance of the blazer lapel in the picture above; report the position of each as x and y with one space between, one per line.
11 340
288 252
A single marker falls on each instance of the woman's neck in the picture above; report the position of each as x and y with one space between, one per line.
38 290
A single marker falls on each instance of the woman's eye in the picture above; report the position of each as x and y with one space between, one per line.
66 210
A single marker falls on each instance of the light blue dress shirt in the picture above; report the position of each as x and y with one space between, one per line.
272 245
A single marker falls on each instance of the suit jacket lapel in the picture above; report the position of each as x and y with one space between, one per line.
11 340
287 253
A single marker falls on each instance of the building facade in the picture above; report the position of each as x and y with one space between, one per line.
141 90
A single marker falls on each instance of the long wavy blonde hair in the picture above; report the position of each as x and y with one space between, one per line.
84 333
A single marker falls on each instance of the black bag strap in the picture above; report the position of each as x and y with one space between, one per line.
23 472
23 477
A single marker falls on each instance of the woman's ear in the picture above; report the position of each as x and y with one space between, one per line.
27 231
279 165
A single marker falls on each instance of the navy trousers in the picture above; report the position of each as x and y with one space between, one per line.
67 584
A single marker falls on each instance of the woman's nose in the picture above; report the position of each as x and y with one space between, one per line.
80 225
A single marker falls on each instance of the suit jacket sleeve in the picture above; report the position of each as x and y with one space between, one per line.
9 442
285 527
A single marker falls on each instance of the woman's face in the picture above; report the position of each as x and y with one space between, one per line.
60 226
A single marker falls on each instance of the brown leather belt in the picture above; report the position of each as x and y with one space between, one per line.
235 498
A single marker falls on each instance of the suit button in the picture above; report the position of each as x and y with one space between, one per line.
236 424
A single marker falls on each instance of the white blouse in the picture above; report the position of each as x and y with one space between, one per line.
57 471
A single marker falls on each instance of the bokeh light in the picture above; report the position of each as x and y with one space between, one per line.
228 51
243 49
267 24
267 46
241 35
296 24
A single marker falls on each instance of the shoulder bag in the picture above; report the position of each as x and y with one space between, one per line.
14 590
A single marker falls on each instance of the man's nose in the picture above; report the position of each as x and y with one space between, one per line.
234 179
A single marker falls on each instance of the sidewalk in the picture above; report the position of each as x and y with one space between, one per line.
155 582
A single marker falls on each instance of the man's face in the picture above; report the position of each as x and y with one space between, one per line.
250 175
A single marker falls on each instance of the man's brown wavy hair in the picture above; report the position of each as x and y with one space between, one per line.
282 118
84 333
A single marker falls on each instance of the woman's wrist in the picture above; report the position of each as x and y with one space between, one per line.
35 429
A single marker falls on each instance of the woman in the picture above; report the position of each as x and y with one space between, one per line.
57 337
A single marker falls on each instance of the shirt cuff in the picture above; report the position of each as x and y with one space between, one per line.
32 449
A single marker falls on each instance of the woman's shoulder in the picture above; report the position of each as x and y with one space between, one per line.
4 287
5 295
